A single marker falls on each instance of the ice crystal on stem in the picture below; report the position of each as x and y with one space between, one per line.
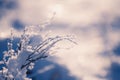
18 61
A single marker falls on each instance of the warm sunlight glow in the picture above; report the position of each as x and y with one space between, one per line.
3 35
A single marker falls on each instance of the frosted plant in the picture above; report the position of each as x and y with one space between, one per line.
18 61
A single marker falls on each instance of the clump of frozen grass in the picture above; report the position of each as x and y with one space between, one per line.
18 61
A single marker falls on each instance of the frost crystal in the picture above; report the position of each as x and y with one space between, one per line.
18 61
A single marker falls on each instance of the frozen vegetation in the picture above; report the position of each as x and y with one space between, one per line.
16 62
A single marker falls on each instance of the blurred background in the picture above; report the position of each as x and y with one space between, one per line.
95 25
